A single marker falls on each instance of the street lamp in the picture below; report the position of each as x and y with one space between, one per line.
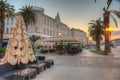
34 38
59 34
110 29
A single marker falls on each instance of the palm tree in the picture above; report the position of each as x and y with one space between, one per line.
96 31
5 10
28 15
106 16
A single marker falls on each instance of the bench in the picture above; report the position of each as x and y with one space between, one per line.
5 67
25 74
49 63
2 79
39 67
43 66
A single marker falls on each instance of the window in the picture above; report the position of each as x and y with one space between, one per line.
44 21
47 31
56 33
50 32
53 33
7 30
36 19
57 26
44 31
51 24
36 29
11 29
48 22
7 21
11 20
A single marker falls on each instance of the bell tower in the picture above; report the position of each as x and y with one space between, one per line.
57 18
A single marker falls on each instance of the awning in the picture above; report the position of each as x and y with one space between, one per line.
38 34
61 39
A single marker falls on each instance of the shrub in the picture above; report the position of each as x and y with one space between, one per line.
59 47
98 52
2 49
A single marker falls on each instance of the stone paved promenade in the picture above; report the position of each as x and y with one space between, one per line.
84 66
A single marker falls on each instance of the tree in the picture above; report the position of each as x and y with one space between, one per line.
28 15
106 16
5 10
96 31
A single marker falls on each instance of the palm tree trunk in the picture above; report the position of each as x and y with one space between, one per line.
1 28
106 26
98 38
98 43
26 24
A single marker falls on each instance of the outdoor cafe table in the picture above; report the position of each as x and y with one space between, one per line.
25 74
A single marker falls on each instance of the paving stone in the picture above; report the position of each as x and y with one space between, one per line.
82 68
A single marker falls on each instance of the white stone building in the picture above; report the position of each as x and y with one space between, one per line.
79 35
44 24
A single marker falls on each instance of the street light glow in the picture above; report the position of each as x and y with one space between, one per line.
111 29
59 33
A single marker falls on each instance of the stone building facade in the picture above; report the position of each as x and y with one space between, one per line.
79 35
44 24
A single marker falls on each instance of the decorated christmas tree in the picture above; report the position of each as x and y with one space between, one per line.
19 49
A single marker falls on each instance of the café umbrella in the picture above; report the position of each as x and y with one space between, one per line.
19 49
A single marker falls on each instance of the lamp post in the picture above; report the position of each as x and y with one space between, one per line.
34 38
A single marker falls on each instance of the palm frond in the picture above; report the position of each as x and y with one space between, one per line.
114 21
6 8
96 29
117 13
28 14
95 1
104 9
108 4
